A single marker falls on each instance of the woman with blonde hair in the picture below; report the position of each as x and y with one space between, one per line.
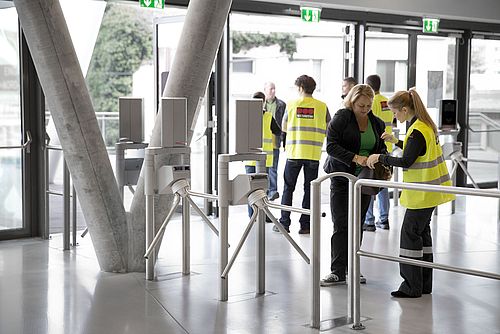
352 135
422 162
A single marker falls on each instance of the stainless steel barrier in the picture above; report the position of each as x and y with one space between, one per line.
395 192
69 221
316 244
354 246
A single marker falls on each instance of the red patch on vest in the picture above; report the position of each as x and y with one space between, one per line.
305 112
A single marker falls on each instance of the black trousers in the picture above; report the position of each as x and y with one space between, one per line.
339 205
416 243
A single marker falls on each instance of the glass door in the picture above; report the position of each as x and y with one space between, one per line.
484 113
167 32
435 75
12 138
386 54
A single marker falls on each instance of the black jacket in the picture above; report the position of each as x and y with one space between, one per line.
278 117
343 141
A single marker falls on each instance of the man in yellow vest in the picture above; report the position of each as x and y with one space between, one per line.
268 125
305 124
382 111
277 108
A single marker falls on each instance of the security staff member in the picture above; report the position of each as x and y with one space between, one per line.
422 162
305 124
277 108
380 109
268 124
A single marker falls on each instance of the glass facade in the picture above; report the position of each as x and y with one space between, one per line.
116 50
484 113
11 178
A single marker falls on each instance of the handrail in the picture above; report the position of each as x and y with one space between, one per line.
355 246
287 208
316 243
203 195
26 145
489 121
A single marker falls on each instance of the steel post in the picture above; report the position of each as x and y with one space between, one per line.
149 194
316 253
66 200
354 274
186 243
224 195
260 240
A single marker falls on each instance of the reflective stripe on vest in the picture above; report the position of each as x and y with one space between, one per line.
429 169
381 109
306 128
267 140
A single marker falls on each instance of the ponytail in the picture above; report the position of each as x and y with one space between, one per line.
411 100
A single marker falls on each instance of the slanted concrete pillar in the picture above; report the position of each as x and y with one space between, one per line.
71 108
200 38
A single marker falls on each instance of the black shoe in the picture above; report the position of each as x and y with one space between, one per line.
275 229
401 294
304 231
274 196
384 225
369 228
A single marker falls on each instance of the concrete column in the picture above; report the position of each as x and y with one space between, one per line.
191 69
71 108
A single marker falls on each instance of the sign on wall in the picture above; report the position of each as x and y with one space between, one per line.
430 25
152 3
310 14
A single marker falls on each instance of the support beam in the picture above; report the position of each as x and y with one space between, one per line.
191 69
71 108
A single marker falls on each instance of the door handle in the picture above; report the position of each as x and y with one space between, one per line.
27 145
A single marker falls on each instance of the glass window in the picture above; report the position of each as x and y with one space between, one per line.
243 65
282 49
386 54
11 200
484 113
435 77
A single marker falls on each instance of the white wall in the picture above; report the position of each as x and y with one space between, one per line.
478 10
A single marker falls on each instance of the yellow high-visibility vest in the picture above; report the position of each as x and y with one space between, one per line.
306 128
381 109
267 140
430 169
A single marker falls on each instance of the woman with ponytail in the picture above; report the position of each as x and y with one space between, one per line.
422 162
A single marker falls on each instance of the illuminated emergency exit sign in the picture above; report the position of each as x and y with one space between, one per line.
430 25
153 3
310 14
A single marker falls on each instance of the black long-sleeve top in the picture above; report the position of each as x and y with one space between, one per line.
343 140
415 147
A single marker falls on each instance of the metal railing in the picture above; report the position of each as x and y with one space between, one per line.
68 195
25 146
354 246
316 243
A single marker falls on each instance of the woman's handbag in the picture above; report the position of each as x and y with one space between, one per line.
381 172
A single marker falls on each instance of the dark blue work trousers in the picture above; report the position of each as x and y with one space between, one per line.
292 170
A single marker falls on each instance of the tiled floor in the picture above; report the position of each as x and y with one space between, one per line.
46 290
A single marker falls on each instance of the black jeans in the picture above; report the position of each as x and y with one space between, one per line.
292 170
416 243
339 205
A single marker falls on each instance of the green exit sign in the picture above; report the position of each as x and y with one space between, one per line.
310 14
430 25
153 3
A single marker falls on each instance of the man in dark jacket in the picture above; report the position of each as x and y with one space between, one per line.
277 107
